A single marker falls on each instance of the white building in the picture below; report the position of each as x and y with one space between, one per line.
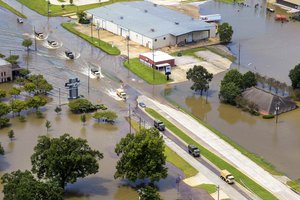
5 71
151 25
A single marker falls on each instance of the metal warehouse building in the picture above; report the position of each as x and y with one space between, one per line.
151 25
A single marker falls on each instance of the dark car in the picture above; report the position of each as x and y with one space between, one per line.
52 43
69 54
193 150
159 125
20 20
270 10
142 105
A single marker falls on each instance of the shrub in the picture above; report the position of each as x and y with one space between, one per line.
270 116
81 106
22 118
39 114
101 107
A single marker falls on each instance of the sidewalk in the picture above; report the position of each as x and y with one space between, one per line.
240 161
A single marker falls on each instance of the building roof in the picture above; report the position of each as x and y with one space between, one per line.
266 101
3 62
158 56
149 19
296 2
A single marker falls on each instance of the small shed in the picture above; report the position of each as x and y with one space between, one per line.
158 58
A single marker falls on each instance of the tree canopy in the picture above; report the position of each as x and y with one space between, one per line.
107 116
201 78
149 193
225 32
20 185
27 43
249 80
2 93
41 84
17 106
295 77
233 76
141 156
15 92
81 106
228 92
36 102
64 159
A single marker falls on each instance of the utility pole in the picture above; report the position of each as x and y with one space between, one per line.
89 79
153 65
129 117
98 27
218 189
239 55
59 103
35 47
127 48
48 8
92 28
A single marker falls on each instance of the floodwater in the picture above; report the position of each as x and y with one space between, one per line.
57 69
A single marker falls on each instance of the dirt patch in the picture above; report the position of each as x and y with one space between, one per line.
215 59
188 9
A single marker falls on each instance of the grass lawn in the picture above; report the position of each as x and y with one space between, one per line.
95 42
255 158
41 7
220 163
295 185
172 157
210 188
145 72
11 9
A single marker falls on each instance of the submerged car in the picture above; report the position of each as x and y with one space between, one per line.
39 35
20 20
69 54
52 43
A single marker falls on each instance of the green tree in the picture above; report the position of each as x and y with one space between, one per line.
71 2
3 122
201 78
233 76
63 6
141 156
249 80
41 84
4 109
27 43
11 134
149 193
107 116
17 106
1 150
13 59
2 93
81 106
64 159
24 72
229 92
225 32
36 102
20 185
295 77
47 125
29 87
83 119
15 92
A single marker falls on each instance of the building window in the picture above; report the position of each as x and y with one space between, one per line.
155 40
164 38
1 73
4 73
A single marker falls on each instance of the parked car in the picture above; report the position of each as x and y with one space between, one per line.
142 105
69 54
193 150
52 43
20 20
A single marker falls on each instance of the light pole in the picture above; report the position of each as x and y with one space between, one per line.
277 111
153 65
48 5
218 189
89 79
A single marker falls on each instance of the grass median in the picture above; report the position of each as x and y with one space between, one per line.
145 72
219 162
209 188
11 9
104 46
173 157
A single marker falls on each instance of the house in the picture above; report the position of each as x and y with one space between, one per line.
160 59
151 25
5 71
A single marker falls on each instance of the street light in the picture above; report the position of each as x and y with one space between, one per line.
218 189
153 65
277 110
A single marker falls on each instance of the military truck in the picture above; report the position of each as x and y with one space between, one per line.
193 150
121 93
227 176
159 125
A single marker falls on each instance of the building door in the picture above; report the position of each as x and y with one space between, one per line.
190 38
124 32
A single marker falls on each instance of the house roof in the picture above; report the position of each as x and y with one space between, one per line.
158 56
149 19
267 102
3 62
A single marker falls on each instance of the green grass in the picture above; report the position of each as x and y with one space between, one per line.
294 185
255 158
220 163
189 52
106 47
145 72
172 157
11 9
209 188
41 7
175 159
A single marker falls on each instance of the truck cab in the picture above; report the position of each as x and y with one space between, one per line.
193 150
227 176
121 94
159 125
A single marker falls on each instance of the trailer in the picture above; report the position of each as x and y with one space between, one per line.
211 18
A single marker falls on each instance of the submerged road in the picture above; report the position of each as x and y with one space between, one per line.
243 163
